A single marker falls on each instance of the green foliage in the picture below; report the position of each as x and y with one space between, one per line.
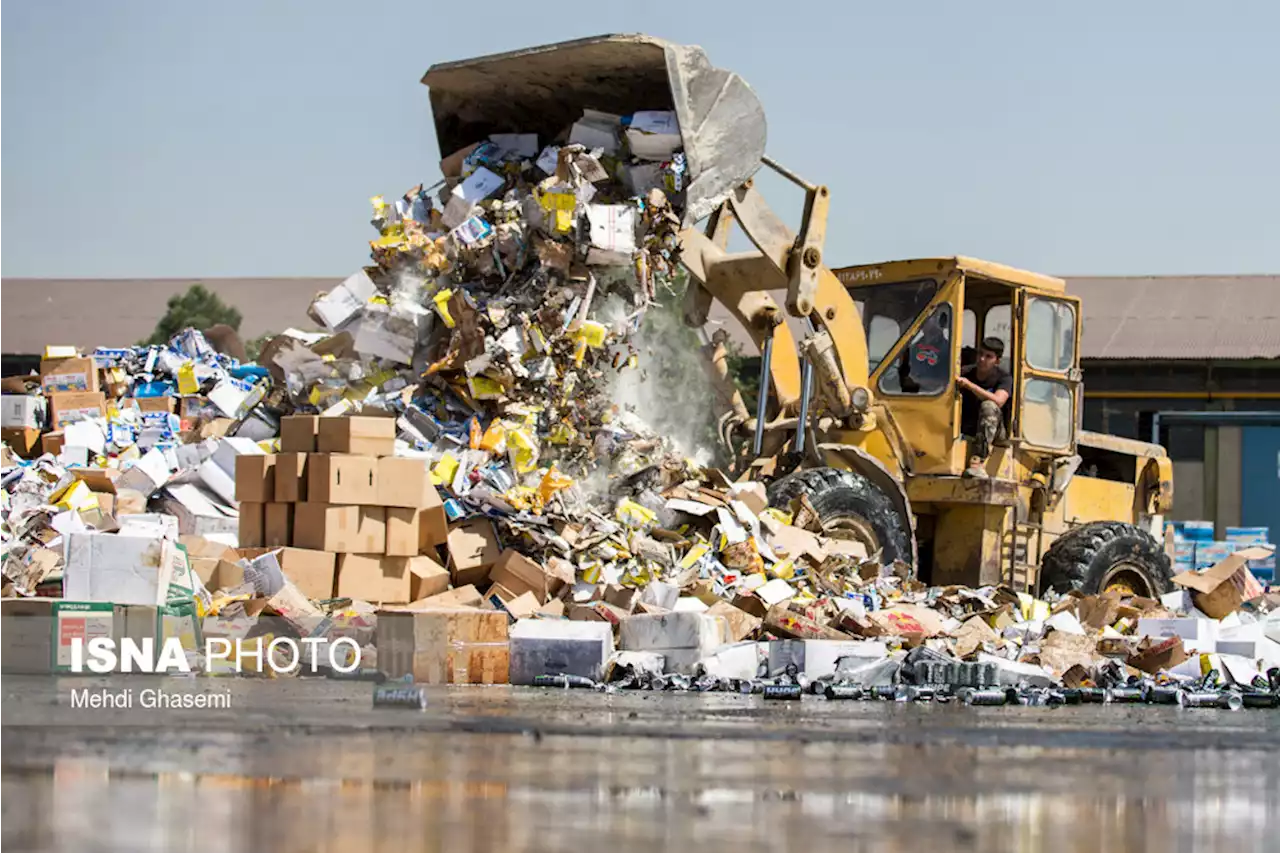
253 348
198 308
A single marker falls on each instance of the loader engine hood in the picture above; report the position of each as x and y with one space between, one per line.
545 89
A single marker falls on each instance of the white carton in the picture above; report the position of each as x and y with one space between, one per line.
21 411
119 569
558 646
1199 635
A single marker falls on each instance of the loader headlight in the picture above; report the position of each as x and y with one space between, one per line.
861 399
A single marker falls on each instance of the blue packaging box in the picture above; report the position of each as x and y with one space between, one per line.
1248 535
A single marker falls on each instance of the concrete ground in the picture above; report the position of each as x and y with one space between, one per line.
311 765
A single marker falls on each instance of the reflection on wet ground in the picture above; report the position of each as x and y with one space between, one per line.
311 767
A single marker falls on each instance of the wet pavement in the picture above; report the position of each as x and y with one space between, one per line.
310 765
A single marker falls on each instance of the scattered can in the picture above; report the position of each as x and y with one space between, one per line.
844 691
1205 699
1260 699
985 697
1126 695
400 696
783 691
1163 695
562 680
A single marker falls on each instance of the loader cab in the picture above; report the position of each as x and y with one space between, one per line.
923 321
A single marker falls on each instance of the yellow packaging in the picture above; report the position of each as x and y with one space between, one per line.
785 569
696 553
778 515
592 571
562 434
593 333
75 496
523 449
52 352
560 208
441 301
444 470
484 388
633 514
187 383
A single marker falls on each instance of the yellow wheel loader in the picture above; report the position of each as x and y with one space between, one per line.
859 409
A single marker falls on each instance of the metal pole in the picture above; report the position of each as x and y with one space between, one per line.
762 401
806 391
788 174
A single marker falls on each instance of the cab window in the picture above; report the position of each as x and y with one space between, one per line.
1051 334
924 367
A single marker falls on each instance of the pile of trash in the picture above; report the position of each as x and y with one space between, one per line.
481 355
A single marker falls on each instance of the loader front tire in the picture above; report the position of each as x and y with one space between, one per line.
850 507
1103 555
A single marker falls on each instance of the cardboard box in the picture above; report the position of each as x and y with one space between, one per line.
342 479
253 525
69 407
518 573
741 623
68 374
278 525
165 404
427 577
1198 635
404 532
21 411
463 596
1220 590
75 619
406 483
255 478
389 580
197 513
341 529
217 574
361 436
23 442
27 632
121 569
312 572
298 433
473 549
51 442
455 646
291 477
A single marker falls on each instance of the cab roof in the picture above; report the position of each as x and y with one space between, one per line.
889 271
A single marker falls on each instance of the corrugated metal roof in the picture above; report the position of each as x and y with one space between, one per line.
1156 317
1177 317
89 313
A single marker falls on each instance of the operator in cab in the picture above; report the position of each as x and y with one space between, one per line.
986 388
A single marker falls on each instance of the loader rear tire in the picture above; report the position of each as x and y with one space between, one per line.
851 507
1106 555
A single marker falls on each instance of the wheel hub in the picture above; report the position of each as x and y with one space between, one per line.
853 528
1127 579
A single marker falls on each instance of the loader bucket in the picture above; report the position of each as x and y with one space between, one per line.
545 90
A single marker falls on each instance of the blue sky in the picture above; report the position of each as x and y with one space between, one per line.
245 138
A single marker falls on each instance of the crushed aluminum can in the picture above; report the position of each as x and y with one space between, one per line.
400 695
563 680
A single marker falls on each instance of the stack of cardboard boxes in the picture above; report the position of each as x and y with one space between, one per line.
353 520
